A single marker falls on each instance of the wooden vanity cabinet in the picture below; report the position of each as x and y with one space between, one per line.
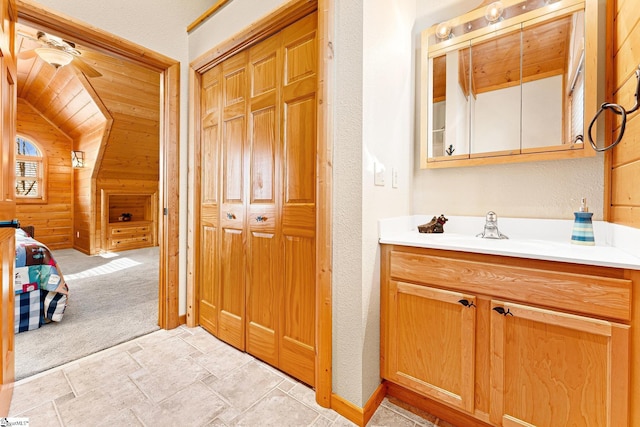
506 341
433 325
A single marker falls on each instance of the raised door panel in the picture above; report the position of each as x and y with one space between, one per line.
431 342
208 296
208 273
263 298
231 322
264 284
555 369
298 124
297 345
232 292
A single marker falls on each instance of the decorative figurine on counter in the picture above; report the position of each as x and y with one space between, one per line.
436 225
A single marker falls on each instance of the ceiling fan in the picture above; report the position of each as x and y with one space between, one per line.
57 52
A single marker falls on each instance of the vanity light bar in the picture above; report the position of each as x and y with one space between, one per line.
445 30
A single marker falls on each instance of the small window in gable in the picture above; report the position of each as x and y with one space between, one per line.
30 183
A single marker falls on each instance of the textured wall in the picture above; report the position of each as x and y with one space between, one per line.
348 341
387 105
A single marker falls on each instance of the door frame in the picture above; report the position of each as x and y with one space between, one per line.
280 18
169 69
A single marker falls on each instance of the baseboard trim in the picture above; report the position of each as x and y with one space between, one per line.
356 414
374 401
6 392
442 411
182 320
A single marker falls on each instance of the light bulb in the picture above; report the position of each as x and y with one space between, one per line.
493 12
443 31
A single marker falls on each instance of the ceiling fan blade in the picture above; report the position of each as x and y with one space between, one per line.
87 69
27 54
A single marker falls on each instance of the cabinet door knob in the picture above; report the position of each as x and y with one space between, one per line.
261 218
502 311
230 215
467 303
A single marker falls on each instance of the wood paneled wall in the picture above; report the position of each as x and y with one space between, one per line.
114 119
624 162
130 159
85 188
53 219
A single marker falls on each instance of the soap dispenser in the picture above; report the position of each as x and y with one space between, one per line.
582 226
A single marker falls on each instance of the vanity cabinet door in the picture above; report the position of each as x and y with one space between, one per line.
431 342
555 369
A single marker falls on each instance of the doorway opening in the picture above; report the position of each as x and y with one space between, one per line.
87 226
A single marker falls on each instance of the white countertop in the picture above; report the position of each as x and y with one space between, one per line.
544 239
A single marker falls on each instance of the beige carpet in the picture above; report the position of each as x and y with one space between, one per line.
111 300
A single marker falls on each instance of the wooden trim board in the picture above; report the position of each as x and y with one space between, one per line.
356 414
324 192
280 18
210 12
440 410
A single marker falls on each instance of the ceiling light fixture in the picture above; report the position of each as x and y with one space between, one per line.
56 57
493 12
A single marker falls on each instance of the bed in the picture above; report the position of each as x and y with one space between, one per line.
41 293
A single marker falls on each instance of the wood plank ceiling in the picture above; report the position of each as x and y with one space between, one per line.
497 62
58 94
114 118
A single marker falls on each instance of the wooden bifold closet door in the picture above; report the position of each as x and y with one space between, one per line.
257 219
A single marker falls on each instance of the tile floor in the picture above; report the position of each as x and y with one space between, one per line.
182 377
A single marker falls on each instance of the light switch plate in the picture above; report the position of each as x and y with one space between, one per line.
378 174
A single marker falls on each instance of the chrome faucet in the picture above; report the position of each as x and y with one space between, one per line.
491 228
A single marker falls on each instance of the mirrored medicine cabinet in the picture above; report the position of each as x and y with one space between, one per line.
510 81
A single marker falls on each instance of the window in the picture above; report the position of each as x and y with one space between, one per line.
30 183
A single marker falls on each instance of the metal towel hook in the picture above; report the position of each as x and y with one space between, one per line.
619 110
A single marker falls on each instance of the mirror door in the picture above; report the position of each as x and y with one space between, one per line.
450 104
510 91
497 94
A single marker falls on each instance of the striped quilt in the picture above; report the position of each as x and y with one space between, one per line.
40 290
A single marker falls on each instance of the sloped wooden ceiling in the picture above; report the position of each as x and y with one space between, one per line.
58 95
128 93
114 118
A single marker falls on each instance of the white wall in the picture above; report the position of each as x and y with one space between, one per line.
495 120
542 112
550 189
347 277
387 123
159 25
